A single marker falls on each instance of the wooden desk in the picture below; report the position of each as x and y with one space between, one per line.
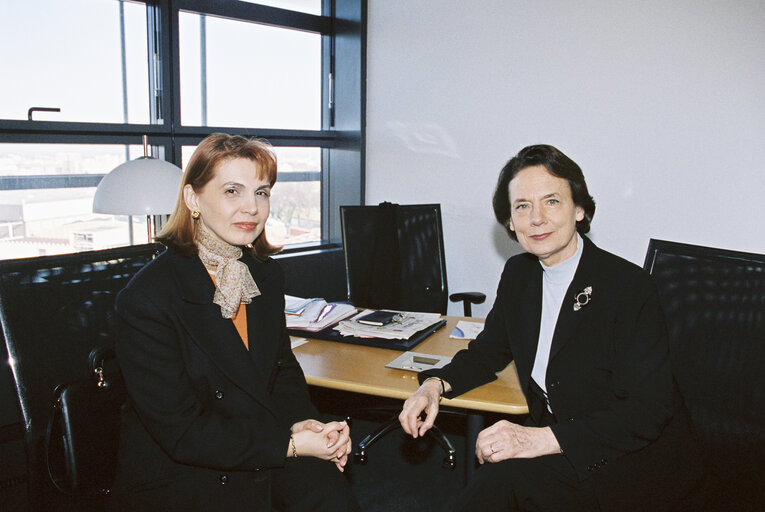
361 369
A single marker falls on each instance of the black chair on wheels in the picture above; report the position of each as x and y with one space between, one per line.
714 303
54 310
394 258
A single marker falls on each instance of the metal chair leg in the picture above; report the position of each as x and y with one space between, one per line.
360 454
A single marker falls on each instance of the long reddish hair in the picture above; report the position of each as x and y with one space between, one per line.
180 230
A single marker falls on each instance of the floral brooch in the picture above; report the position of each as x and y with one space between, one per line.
582 298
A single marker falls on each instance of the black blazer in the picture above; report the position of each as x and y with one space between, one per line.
618 416
206 418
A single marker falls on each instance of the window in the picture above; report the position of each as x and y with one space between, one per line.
100 74
86 57
233 72
46 197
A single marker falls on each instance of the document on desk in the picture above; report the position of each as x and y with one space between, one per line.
298 305
295 342
319 315
403 328
313 315
466 330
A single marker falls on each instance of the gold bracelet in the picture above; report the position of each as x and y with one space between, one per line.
294 449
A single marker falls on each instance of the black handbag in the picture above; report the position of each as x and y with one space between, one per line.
82 439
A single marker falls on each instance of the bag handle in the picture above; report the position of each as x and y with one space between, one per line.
97 359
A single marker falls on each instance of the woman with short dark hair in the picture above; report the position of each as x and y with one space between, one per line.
606 429
558 165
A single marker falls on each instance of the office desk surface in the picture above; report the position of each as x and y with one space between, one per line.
362 369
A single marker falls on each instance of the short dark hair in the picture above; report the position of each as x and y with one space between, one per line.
559 165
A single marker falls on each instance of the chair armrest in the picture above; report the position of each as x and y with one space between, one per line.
467 299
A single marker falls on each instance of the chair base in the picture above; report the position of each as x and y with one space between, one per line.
360 454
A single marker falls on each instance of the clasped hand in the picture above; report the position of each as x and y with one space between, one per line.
327 441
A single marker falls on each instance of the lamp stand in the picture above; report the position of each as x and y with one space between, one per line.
150 231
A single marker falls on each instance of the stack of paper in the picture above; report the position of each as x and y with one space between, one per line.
401 329
296 305
314 314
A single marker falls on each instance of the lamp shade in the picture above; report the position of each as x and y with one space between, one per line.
144 186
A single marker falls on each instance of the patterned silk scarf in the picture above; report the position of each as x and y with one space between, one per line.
234 284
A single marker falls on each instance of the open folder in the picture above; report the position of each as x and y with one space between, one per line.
314 314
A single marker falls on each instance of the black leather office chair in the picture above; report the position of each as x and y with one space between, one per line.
394 257
714 302
53 311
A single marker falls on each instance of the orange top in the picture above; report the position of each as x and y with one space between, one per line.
240 321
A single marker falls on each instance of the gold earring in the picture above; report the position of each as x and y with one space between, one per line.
195 214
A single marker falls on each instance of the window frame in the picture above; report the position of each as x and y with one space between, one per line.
341 137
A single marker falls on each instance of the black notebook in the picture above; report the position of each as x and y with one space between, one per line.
380 317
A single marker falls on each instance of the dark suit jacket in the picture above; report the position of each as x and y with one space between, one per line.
206 418
618 416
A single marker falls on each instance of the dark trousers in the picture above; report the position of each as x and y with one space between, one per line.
303 484
546 483
309 484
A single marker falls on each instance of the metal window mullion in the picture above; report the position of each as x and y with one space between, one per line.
44 181
277 137
203 66
164 82
328 111
263 14
293 177
123 64
154 62
18 129
171 47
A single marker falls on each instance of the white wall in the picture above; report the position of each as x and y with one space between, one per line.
661 104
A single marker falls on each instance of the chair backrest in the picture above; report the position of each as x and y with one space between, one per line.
714 303
53 311
319 273
394 257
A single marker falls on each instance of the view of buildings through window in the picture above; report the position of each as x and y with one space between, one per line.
59 219
91 59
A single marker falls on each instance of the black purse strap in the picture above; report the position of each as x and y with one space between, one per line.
53 430
98 375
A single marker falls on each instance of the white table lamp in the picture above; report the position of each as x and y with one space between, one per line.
144 186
